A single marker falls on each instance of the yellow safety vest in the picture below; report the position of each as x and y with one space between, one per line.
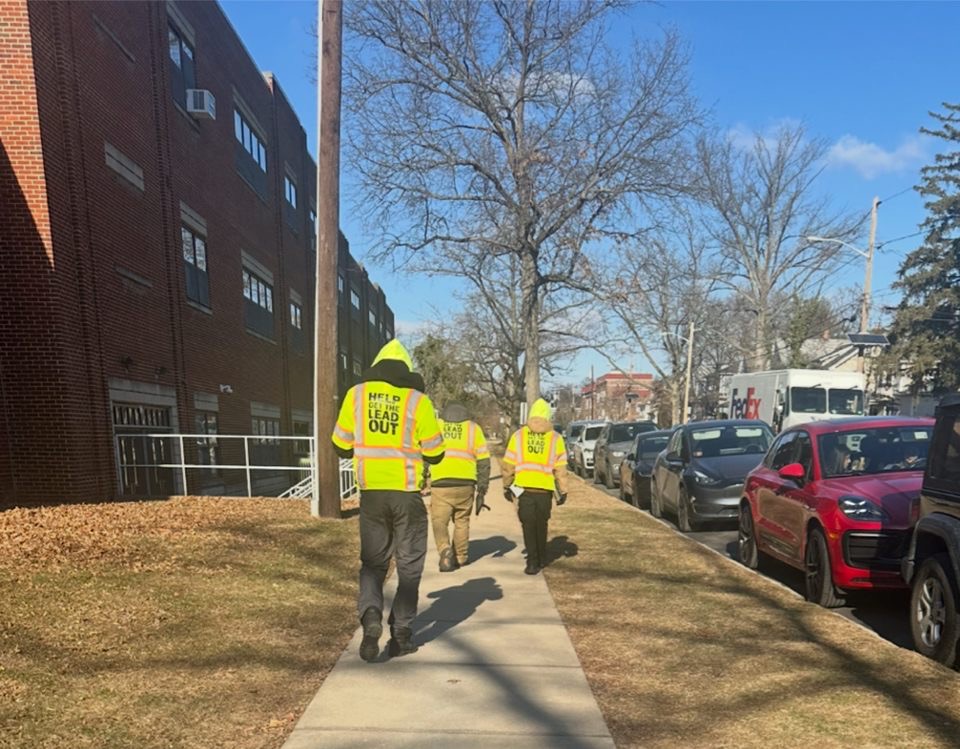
389 428
465 445
534 455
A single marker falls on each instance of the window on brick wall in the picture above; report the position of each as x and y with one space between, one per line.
207 446
182 71
195 266
250 141
340 285
296 315
313 229
357 365
290 191
354 300
258 308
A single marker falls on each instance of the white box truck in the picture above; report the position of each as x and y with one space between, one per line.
786 397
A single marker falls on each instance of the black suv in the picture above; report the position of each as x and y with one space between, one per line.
932 564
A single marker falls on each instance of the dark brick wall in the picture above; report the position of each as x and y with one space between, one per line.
93 281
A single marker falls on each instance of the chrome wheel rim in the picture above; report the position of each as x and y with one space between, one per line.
814 570
931 612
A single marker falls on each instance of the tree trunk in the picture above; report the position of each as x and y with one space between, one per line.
530 317
760 349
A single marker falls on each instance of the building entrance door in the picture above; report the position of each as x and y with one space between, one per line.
138 455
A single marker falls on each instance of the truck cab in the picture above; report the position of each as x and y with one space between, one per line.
932 563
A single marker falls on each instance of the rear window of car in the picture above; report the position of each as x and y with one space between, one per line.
730 440
874 450
592 433
626 432
653 446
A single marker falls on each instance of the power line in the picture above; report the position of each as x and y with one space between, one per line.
897 194
881 245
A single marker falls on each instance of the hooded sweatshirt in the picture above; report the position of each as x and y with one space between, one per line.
538 421
453 413
393 366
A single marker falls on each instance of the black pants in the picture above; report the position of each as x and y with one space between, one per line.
392 524
534 512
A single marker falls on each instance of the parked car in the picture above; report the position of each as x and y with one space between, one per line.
570 435
700 475
636 468
837 499
612 446
932 562
583 448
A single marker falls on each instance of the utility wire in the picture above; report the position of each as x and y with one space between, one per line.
885 242
897 194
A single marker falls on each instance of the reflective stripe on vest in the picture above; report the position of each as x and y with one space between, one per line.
535 470
407 454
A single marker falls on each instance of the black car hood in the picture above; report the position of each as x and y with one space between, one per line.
728 468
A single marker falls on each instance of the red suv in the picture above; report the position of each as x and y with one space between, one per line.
837 499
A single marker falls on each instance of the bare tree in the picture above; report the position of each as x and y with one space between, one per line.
651 291
764 207
511 128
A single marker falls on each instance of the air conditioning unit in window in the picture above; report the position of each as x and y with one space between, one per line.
201 104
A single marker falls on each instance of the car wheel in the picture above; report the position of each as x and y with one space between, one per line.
819 577
746 539
623 494
655 508
608 477
684 520
933 610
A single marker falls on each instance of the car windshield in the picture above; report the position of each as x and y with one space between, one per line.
653 446
575 430
808 400
729 440
591 433
846 401
625 432
877 450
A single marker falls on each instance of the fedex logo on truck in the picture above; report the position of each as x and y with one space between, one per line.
745 408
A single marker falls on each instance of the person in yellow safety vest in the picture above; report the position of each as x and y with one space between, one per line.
534 466
388 426
456 483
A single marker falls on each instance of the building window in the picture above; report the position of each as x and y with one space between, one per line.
259 305
340 286
206 422
265 429
250 141
373 319
357 366
183 73
313 229
343 360
195 266
290 191
296 315
355 299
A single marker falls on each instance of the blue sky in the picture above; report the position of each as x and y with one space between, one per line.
860 75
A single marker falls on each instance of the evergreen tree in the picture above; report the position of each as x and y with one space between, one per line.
926 329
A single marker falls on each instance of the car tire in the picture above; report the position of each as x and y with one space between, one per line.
685 521
747 539
623 494
608 478
933 610
818 573
655 507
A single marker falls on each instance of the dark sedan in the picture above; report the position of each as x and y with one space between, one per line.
700 475
636 468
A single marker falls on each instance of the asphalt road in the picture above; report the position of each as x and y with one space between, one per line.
883 612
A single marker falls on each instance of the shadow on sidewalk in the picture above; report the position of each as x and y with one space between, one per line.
494 546
453 605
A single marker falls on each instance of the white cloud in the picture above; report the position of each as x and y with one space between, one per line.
872 160
744 138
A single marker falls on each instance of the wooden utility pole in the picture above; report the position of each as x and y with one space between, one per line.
867 280
325 501
686 388
593 391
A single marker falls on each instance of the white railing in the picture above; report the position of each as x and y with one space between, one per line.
125 445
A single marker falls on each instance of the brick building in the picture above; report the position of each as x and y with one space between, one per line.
158 251
616 396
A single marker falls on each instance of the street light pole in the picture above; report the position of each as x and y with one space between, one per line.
686 389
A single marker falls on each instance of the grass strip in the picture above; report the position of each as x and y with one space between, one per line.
684 648
192 622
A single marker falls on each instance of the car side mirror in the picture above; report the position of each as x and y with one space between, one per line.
631 456
793 471
673 455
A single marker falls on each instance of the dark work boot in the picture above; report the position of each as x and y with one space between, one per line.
372 629
401 643
448 562
532 568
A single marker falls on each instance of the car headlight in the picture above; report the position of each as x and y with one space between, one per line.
861 508
617 454
705 479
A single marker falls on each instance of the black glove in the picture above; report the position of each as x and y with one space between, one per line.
481 505
508 495
561 499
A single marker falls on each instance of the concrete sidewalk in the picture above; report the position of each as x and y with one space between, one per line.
495 665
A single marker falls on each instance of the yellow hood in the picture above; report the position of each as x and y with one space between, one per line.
539 417
394 350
